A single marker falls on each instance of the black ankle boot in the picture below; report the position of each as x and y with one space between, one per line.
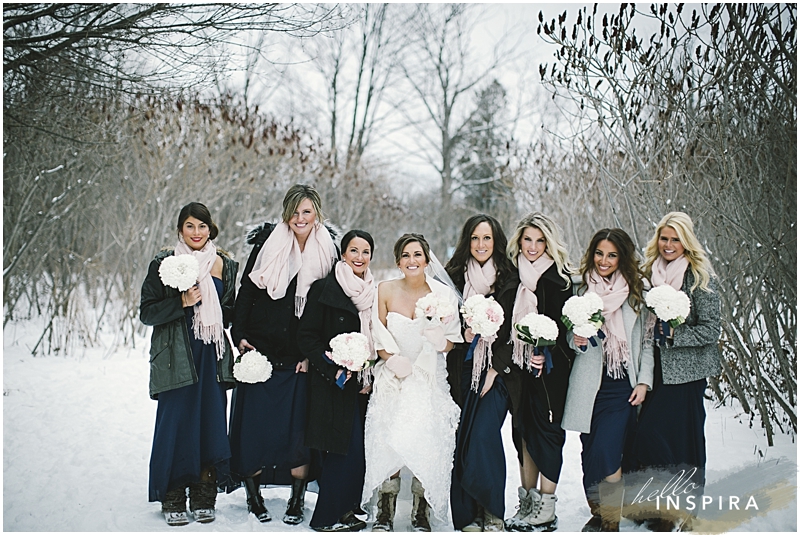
255 503
294 509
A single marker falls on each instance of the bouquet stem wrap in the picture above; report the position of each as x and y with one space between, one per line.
548 360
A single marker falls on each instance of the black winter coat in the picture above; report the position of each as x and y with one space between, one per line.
501 350
268 325
328 313
551 388
171 361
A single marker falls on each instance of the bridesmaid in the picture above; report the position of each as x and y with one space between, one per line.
486 388
609 381
670 433
268 419
545 285
340 303
190 368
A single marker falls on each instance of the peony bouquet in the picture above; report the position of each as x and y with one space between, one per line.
539 331
583 315
484 315
436 306
671 306
179 271
252 367
351 351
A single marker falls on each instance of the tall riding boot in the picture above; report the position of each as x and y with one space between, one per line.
174 507
420 511
294 508
387 500
255 503
611 495
203 496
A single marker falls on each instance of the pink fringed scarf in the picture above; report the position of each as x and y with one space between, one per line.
665 273
478 280
362 293
614 292
526 302
280 259
207 319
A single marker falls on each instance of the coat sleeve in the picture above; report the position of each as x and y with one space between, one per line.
229 298
159 304
646 359
707 329
244 301
311 338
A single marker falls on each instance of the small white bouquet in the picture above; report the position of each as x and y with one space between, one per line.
537 330
484 315
179 271
435 306
583 315
670 305
252 367
351 351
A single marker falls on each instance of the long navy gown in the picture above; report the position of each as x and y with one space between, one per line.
191 425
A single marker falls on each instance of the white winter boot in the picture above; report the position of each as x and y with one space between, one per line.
516 522
543 514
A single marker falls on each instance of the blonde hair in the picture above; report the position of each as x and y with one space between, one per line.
295 196
554 246
698 260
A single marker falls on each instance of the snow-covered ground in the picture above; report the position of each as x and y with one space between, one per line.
77 432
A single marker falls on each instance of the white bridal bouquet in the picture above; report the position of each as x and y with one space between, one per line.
670 305
436 306
484 315
537 330
350 350
179 271
252 367
583 314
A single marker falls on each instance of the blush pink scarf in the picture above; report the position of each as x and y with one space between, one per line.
614 292
526 302
478 280
280 259
669 272
361 292
207 319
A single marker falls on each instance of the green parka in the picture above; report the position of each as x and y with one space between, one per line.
171 362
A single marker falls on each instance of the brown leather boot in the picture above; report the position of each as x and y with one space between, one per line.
387 500
611 495
420 511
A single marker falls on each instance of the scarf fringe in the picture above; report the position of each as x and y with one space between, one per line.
650 328
366 377
299 305
617 354
481 359
521 354
209 334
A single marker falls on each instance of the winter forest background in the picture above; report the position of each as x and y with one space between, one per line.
406 117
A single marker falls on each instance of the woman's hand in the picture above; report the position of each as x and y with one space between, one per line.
637 397
580 341
340 372
366 390
244 346
190 297
487 385
537 362
669 334
302 366
469 335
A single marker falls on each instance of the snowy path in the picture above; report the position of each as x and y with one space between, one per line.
77 433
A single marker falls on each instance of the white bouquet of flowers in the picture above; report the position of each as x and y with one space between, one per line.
351 351
670 305
484 315
583 314
252 367
179 271
537 330
436 306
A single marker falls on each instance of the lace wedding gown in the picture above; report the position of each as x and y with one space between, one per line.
412 422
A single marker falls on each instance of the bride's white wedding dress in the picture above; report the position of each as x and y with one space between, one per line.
412 422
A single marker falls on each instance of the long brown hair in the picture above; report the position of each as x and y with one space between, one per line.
627 263
457 264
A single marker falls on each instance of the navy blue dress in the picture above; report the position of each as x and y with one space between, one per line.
613 419
191 424
479 467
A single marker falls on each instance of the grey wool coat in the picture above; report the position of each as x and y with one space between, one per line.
587 370
693 352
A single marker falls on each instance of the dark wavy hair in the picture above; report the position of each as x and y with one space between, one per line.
356 233
198 211
411 237
457 265
627 263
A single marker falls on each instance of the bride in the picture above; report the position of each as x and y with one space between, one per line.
411 420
